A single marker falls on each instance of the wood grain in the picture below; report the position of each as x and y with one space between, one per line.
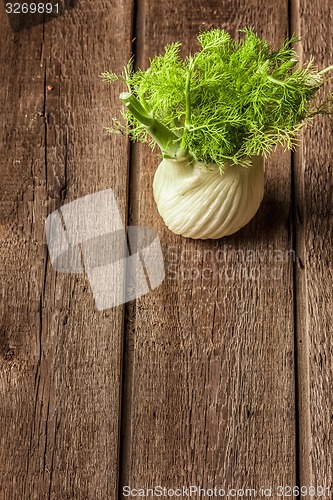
209 372
209 375
60 366
314 234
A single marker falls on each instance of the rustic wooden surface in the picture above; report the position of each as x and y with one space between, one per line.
221 377
314 236
60 358
197 378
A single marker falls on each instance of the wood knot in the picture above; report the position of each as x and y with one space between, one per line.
8 353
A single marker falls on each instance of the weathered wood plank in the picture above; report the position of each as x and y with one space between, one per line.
209 393
60 367
314 236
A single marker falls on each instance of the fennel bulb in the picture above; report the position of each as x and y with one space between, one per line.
214 115
199 202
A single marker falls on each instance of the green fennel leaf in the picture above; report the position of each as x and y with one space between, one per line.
230 100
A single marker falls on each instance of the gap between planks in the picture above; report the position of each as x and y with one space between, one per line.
302 368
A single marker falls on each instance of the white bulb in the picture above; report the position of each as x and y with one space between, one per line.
197 201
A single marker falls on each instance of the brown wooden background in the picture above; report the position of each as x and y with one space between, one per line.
214 381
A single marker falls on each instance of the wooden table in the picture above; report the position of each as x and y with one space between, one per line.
222 377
